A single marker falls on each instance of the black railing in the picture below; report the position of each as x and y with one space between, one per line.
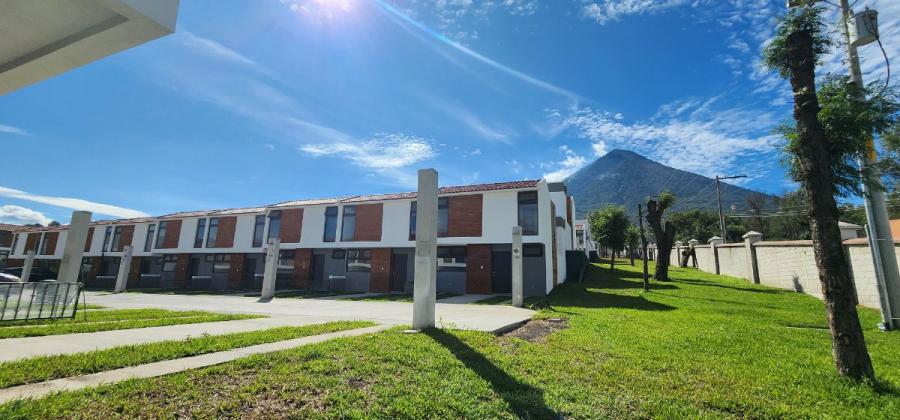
38 300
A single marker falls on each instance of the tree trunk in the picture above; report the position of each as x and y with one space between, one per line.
644 255
612 261
631 255
664 237
851 358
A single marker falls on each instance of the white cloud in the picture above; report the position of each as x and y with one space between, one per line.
72 203
610 10
571 162
491 132
22 216
217 50
599 148
389 155
12 130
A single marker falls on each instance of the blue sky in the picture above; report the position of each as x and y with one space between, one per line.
251 103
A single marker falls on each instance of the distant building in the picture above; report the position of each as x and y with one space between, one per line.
7 233
851 231
583 240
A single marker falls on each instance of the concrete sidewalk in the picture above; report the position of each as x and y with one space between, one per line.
168 366
491 318
18 348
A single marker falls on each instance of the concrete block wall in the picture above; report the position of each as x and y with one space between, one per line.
788 265
864 274
706 260
733 261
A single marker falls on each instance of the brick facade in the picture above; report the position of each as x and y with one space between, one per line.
478 268
291 224
87 242
50 239
302 264
368 222
134 272
173 232
225 233
236 270
380 279
6 238
127 237
464 215
31 242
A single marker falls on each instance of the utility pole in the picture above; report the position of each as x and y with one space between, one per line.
643 248
722 231
881 243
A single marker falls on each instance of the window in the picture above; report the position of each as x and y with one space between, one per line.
45 245
221 263
201 231
348 226
442 217
4 255
169 262
532 250
213 232
15 243
338 254
451 258
161 234
116 238
286 261
412 221
258 227
330 224
359 260
148 242
106 237
274 224
528 212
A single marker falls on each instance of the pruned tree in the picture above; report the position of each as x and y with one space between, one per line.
632 239
644 255
609 226
664 234
821 164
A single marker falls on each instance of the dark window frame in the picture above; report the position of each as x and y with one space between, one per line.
532 250
200 233
528 203
148 240
259 226
348 218
413 214
274 221
107 236
161 234
443 217
362 258
330 233
212 232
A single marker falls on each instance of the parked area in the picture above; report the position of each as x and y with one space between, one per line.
346 244
700 346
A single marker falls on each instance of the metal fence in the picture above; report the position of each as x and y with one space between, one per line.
38 300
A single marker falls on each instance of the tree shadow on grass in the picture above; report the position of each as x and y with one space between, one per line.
724 286
525 400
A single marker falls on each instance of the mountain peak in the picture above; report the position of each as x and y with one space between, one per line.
621 153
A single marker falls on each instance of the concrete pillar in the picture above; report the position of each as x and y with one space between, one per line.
271 271
678 245
26 266
714 243
518 282
70 266
425 275
751 238
124 269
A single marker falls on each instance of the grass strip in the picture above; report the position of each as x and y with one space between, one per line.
115 319
44 368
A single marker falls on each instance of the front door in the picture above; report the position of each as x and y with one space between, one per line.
318 271
193 270
501 274
398 272
248 282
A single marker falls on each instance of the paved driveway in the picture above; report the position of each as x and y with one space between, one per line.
462 316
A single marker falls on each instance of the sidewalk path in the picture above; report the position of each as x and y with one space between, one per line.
166 367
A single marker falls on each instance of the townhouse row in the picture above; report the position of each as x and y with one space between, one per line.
352 244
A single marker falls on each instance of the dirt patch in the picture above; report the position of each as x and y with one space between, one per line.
537 330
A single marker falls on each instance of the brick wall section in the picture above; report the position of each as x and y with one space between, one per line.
291 224
464 215
368 222
134 272
182 261
87 242
14 262
173 232
380 280
50 240
225 233
126 238
302 264
478 269
31 242
236 270
6 239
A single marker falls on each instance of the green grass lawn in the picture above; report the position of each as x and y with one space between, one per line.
111 319
494 300
395 297
301 294
51 367
701 346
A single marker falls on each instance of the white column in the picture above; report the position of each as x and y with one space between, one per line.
272 254
425 274
26 266
751 238
124 268
518 285
70 266
714 243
